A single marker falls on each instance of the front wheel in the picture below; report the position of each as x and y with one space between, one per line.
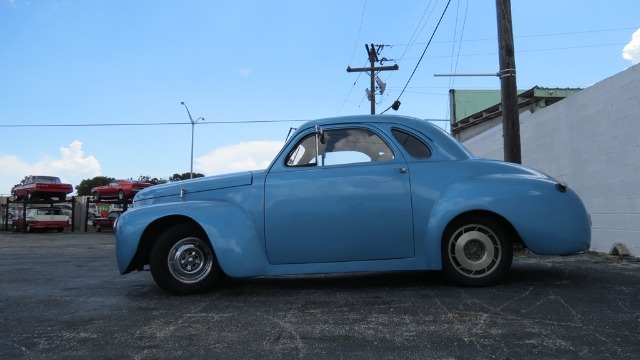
121 195
476 251
183 262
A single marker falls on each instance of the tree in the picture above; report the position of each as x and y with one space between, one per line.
85 186
150 180
184 176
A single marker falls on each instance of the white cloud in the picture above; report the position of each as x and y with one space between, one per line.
631 52
71 166
250 155
245 73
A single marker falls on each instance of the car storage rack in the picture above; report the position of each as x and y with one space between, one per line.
29 203
90 200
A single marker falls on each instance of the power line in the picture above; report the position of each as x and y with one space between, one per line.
527 51
397 102
148 124
359 30
352 56
414 36
525 36
350 90
457 58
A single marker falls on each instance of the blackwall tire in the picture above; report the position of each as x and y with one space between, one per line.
476 251
182 261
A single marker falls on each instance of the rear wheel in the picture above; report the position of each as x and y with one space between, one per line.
96 196
121 195
183 262
476 251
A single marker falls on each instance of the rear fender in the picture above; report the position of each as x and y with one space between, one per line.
546 220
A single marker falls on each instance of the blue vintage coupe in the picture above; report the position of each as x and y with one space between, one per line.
352 194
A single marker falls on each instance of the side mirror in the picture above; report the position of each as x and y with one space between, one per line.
320 134
319 139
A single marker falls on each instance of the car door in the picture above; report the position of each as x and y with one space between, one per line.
340 196
111 190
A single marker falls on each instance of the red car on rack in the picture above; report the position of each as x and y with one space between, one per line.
41 187
106 222
118 189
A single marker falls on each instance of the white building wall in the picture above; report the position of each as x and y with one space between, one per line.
590 140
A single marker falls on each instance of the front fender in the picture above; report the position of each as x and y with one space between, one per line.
229 228
548 221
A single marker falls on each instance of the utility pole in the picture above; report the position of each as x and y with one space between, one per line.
373 59
509 92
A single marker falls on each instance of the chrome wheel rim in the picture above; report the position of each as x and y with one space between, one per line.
474 250
190 260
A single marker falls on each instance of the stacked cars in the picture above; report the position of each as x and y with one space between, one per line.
118 189
41 187
106 222
42 219
34 191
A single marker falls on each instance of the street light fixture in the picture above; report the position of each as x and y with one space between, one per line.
193 123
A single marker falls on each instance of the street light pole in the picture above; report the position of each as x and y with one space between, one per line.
193 124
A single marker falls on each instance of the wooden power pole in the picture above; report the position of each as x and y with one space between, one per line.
510 114
373 59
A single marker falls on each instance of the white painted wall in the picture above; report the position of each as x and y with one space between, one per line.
590 140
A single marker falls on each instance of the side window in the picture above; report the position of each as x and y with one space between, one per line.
304 154
414 146
343 146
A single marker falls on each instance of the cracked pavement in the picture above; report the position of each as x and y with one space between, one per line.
62 297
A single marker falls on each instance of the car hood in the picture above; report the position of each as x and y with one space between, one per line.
195 186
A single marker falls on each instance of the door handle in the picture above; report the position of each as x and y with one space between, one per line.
402 170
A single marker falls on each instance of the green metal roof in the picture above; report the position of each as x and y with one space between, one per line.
465 103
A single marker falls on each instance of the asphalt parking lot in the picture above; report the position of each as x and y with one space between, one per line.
62 297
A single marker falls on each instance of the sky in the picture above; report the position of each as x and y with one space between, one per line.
94 87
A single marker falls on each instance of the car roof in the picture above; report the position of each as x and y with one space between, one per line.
437 135
405 120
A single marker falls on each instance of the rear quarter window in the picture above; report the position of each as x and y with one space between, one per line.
414 146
